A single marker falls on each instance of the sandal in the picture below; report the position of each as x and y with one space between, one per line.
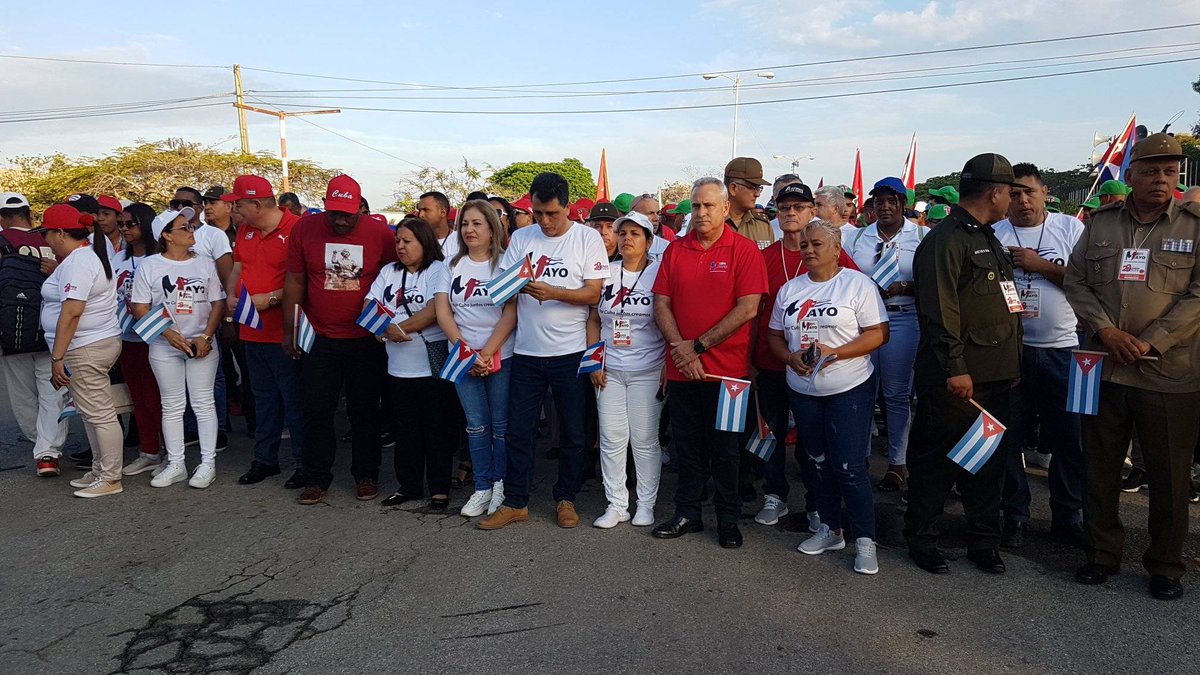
464 476
892 481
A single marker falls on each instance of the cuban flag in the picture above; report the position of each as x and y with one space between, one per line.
375 318
1116 159
887 270
762 443
459 364
1083 383
245 313
124 316
979 443
154 323
305 335
69 409
510 282
732 404
593 359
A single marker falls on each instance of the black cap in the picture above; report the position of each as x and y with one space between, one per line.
604 211
214 192
797 190
990 168
84 203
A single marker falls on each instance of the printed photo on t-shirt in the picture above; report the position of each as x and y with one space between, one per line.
182 293
343 266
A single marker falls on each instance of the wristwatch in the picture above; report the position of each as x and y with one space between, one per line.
698 346
273 301
228 319
207 338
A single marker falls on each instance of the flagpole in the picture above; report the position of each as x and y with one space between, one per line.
972 402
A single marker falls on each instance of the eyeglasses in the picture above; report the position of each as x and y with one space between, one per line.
757 189
186 226
125 225
798 206
177 204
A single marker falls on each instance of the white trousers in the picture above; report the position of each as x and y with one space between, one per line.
178 377
35 403
628 415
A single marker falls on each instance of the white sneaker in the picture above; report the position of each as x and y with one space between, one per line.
477 504
497 497
644 516
142 464
773 509
100 488
172 473
824 540
814 522
85 480
204 475
865 561
611 518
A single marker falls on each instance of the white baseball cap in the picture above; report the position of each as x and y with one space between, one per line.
167 217
12 200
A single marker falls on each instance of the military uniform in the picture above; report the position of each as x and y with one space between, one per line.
755 227
1158 301
967 328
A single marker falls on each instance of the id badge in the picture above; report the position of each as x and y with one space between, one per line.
810 332
1134 264
185 300
622 332
1012 297
1031 298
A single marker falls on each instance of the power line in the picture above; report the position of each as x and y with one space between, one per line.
98 62
112 106
108 114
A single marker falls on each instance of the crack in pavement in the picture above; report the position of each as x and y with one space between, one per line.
503 632
489 611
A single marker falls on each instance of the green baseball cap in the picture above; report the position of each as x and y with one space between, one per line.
937 213
947 193
1114 187
684 207
1091 203
1052 209
848 193
623 202
1181 187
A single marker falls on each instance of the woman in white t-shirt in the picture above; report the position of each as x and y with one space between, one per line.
466 313
182 358
135 224
79 318
628 387
423 403
825 325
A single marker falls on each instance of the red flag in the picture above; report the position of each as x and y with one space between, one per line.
857 185
910 165
821 183
602 179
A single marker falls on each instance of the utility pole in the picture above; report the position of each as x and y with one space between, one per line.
282 117
237 87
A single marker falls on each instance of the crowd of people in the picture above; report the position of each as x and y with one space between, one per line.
815 311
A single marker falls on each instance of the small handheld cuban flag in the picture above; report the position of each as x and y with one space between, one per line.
887 268
305 335
593 359
1083 382
154 323
762 443
510 282
69 409
375 318
459 363
245 313
732 404
124 316
979 443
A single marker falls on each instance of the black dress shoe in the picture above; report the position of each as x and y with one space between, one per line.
988 560
296 481
258 473
396 499
1013 534
1095 573
439 503
677 527
931 561
729 535
1165 588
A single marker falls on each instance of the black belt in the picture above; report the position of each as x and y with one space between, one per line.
900 308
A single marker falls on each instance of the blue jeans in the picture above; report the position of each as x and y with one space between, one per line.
275 381
531 377
1043 392
836 428
485 405
894 365
773 394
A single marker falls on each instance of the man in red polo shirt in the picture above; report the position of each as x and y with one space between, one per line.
259 266
708 290
333 258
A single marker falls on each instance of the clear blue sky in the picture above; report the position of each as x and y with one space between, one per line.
1047 121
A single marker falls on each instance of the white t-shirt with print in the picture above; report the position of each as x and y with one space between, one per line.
1048 320
108 245
555 328
398 290
837 312
449 246
861 243
80 276
474 312
627 297
125 268
187 288
211 242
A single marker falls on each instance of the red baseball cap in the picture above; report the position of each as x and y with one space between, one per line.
65 217
344 195
249 187
111 203
524 204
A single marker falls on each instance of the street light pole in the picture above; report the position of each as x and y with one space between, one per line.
737 96
794 160
282 116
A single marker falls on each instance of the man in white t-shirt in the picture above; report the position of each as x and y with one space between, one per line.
569 268
1041 243
831 203
434 208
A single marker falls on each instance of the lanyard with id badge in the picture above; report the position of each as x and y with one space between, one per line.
622 328
1135 261
185 298
1029 297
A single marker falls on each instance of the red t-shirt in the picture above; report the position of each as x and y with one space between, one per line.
668 233
704 285
338 270
264 264
780 270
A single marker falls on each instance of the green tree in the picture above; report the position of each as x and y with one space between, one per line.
1062 184
455 183
512 181
150 171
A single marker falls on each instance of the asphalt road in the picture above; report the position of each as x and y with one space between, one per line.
240 579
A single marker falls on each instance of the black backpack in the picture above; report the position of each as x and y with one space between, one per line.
21 281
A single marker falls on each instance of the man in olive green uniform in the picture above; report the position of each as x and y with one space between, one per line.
1134 282
970 348
744 180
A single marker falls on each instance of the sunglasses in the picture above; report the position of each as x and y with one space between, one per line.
177 204
501 214
186 226
126 225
